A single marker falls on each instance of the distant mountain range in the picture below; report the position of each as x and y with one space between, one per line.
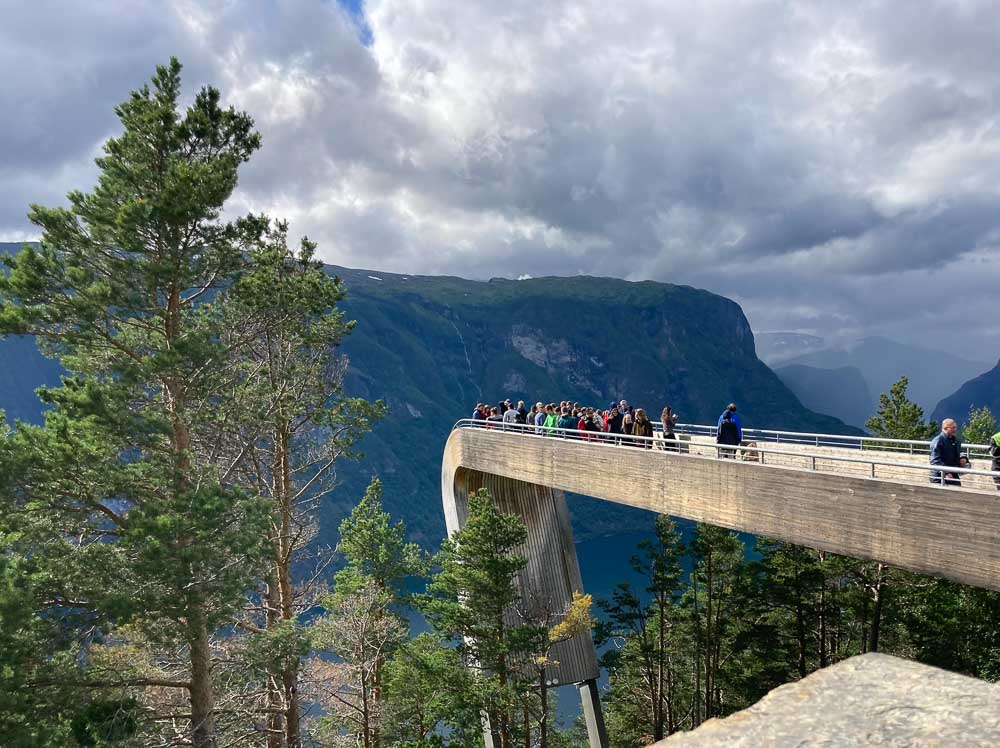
839 392
977 392
775 348
880 361
432 347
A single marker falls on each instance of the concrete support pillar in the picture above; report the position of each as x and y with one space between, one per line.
490 738
597 733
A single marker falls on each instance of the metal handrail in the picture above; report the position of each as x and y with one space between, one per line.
912 446
629 441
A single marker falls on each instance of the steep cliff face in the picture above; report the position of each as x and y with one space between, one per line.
433 347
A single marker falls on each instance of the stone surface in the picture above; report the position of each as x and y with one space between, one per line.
868 700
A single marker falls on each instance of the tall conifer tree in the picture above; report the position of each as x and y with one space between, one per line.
288 426
149 532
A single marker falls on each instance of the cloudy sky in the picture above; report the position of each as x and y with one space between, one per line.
832 166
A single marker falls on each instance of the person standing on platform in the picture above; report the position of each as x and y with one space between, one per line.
643 427
668 419
728 433
946 450
539 420
522 412
567 422
735 418
551 419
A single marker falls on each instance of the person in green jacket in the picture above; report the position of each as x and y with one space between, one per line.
551 420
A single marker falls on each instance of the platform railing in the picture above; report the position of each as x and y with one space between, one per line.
837 441
858 466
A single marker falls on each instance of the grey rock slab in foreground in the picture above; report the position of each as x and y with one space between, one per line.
868 700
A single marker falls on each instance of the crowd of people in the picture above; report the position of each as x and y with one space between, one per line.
620 421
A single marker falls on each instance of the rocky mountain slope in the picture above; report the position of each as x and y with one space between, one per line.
432 347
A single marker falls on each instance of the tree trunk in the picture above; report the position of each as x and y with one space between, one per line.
202 699
880 592
671 716
822 614
283 489
543 723
276 735
709 636
658 691
697 653
202 696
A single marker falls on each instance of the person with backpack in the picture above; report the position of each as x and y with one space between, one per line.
728 433
735 418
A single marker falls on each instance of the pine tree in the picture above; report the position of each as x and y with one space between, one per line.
290 428
150 533
648 665
979 427
467 602
363 625
427 695
899 418
715 604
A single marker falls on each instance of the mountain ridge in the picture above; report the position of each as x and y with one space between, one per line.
434 346
932 374
980 391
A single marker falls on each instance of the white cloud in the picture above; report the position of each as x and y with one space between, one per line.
808 158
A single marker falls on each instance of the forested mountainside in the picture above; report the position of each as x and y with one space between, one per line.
432 347
983 390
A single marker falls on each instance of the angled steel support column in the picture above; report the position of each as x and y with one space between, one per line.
597 733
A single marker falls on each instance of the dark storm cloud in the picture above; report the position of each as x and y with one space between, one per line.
824 163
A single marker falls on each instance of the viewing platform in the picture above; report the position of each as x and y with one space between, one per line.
854 496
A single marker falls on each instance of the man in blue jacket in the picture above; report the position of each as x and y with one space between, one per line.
946 450
731 409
